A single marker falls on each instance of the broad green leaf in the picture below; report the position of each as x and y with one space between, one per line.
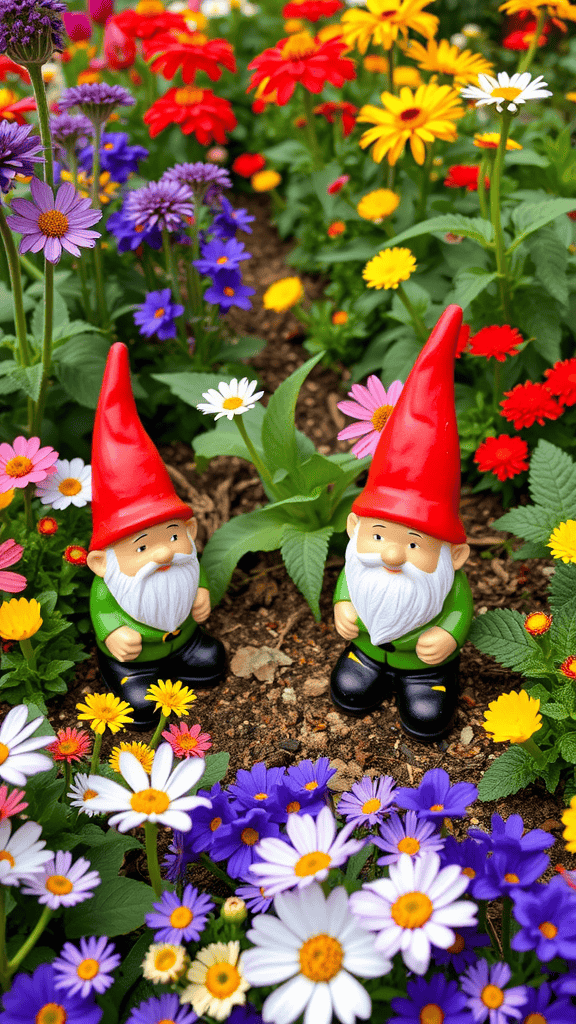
562 592
241 348
79 365
255 531
190 386
215 768
357 861
530 217
567 745
539 692
119 904
304 555
552 480
531 522
550 258
551 775
319 471
539 318
556 711
278 429
479 230
25 378
468 285
226 439
510 772
288 152
501 634
7 305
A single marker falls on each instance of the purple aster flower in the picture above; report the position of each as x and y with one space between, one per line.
117 156
412 836
470 855
219 254
513 828
254 898
227 290
285 801
228 221
547 916
566 983
253 789
160 1010
96 99
157 315
311 776
62 883
205 180
237 841
131 235
30 995
489 999
161 204
369 800
53 224
442 999
462 952
70 130
86 969
177 859
510 868
542 1008
246 1014
436 798
19 151
207 821
31 30
180 920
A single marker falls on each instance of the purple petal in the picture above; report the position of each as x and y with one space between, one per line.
42 194
69 246
377 389
367 446
394 392
53 250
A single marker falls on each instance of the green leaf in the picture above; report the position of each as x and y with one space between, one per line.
552 480
241 348
119 904
304 555
60 316
562 592
550 258
513 770
539 318
530 217
25 378
501 634
79 365
556 711
539 692
190 386
226 439
215 768
479 230
288 152
278 429
531 522
469 284
357 861
567 745
7 304
255 531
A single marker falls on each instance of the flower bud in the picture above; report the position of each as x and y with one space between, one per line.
234 910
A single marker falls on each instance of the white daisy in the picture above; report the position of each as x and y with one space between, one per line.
62 883
16 758
164 962
318 945
80 794
508 90
415 908
71 484
217 980
22 853
231 399
314 849
159 798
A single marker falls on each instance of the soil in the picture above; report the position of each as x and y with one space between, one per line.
289 716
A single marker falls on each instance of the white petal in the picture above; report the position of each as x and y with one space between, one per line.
13 723
417 955
349 998
161 767
265 967
269 931
319 1009
176 819
126 820
288 908
287 1003
133 772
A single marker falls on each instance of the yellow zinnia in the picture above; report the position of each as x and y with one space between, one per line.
6 498
265 181
514 717
555 8
562 542
405 75
104 709
377 205
491 140
19 618
418 117
283 294
569 819
388 268
383 20
447 59
170 697
142 752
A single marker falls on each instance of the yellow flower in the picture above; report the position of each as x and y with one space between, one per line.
107 187
388 268
491 140
170 697
405 75
142 752
514 717
6 498
555 8
569 819
571 96
265 181
447 59
376 64
104 709
329 32
164 963
537 623
383 20
377 205
283 294
19 618
216 981
293 25
418 117
562 542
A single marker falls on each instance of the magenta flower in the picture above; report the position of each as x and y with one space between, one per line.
187 741
52 224
25 462
11 803
372 408
11 582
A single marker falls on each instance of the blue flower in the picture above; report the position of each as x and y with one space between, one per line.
438 995
512 828
547 917
157 315
566 984
220 254
177 859
253 789
180 920
544 1007
227 290
488 998
229 221
462 951
237 841
287 799
510 868
246 1014
116 156
131 235
207 821
158 1011
436 798
38 991
470 855
311 776
411 836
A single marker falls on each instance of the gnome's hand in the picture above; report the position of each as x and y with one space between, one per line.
435 645
201 607
124 643
345 620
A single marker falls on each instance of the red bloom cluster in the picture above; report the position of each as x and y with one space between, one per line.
311 10
248 164
561 381
504 456
13 111
496 342
332 111
529 403
301 59
189 51
195 110
8 67
465 176
149 18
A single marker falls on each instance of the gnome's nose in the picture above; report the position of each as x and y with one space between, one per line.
393 556
163 555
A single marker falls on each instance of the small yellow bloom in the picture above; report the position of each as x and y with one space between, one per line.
171 697
377 205
491 140
19 618
265 181
283 294
329 32
389 268
104 709
447 59
537 623
142 752
569 819
514 717
571 96
562 541
555 8
164 963
216 980
7 498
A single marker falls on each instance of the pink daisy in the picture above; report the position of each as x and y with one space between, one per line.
25 462
11 803
187 741
11 582
371 408
52 224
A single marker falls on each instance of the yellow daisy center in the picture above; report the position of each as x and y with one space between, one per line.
311 785
431 1014
409 845
4 752
4 855
159 312
492 996
511 878
506 92
164 959
232 403
412 910
381 417
181 917
69 486
18 466
310 863
88 969
51 1013
187 742
222 979
549 930
89 794
188 94
149 8
68 746
321 958
228 291
53 223
150 801
59 885
298 46
249 836
458 944
371 806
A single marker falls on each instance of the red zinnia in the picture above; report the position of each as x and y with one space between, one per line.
13 111
8 67
343 110
301 58
529 403
190 51
47 526
338 184
248 164
195 110
521 38
311 10
148 18
561 381
75 554
70 745
337 227
504 456
496 342
463 338
465 176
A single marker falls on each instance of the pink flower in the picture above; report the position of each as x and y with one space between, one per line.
187 741
338 184
11 582
371 408
25 462
11 803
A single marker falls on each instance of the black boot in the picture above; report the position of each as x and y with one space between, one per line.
358 684
202 662
427 699
129 681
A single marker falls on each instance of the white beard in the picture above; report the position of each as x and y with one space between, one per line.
392 604
162 600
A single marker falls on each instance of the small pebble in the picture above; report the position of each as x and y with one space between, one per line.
291 745
467 735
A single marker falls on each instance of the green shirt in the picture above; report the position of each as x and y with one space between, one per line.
455 617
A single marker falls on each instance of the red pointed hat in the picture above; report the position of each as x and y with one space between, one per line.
414 477
131 488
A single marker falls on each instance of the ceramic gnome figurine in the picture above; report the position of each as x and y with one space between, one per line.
402 598
149 591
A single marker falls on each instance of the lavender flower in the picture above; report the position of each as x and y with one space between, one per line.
158 1011
487 997
162 204
412 836
509 869
219 254
180 920
69 131
253 896
31 994
19 151
513 828
116 156
206 181
369 801
62 883
54 224
83 970
31 30
157 315
541 1006
177 860
436 798
96 99
229 221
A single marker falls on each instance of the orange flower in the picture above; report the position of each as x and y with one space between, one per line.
568 667
337 227
339 317
70 745
47 526
537 623
75 554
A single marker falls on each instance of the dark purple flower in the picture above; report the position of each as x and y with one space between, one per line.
86 968
369 800
205 180
157 315
286 801
131 235
237 841
439 995
311 776
566 983
52 224
207 821
69 131
547 916
116 156
246 1014
177 859
227 290
411 836
509 869
254 789
254 898
96 99
161 204
229 221
31 994
541 1006
162 1009
31 30
470 855
462 951
180 920
436 798
488 997
513 828
19 151
220 254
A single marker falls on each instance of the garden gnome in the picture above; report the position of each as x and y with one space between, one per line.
402 597
149 593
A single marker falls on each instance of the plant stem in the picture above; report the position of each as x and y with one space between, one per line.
313 145
424 184
257 461
28 652
391 68
417 321
532 748
150 832
528 57
217 872
4 970
96 752
484 163
31 940
81 267
173 277
35 72
17 294
67 780
495 212
99 273
506 908
158 732
46 344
